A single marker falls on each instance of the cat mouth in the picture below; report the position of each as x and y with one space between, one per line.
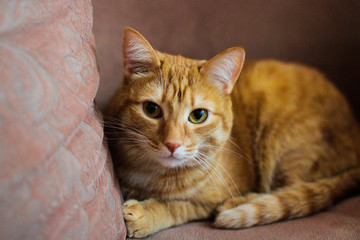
171 161
171 158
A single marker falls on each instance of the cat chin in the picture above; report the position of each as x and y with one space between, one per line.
172 162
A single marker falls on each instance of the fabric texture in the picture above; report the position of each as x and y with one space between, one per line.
339 222
56 176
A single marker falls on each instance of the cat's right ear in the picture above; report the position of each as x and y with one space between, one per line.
139 57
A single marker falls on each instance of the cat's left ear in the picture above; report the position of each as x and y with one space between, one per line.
139 56
224 69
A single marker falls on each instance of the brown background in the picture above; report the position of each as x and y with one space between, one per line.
321 33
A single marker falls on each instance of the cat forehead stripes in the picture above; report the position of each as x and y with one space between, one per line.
179 80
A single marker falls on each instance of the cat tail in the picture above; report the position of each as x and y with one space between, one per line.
294 201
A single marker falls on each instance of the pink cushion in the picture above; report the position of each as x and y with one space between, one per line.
56 177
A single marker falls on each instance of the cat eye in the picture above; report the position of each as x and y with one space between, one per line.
152 110
198 116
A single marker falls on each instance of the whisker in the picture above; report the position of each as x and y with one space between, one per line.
117 123
209 174
238 147
129 139
126 129
219 175
229 151
232 180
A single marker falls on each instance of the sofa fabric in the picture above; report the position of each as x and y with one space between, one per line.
56 176
339 222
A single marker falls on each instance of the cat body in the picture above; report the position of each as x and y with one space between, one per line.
278 141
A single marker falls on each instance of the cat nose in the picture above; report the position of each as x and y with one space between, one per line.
172 146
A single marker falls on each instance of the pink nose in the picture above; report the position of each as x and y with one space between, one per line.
172 146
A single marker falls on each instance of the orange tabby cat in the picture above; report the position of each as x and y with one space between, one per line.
195 139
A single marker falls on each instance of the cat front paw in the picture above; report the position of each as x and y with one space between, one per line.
136 220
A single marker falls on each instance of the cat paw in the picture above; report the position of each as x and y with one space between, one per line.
242 216
137 223
228 219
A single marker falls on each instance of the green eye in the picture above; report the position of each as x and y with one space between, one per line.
152 110
198 116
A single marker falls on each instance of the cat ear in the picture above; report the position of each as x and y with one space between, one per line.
139 56
224 69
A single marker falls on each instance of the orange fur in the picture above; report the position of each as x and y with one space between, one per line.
283 144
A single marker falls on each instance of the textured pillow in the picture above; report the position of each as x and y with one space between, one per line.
56 177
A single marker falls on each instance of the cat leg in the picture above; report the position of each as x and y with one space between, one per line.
149 216
235 201
298 200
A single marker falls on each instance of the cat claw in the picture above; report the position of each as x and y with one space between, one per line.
136 222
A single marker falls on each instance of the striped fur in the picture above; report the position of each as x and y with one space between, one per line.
280 141
297 200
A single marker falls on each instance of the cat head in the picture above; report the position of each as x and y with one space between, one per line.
174 111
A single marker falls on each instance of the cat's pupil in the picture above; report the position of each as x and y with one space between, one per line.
151 108
198 113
